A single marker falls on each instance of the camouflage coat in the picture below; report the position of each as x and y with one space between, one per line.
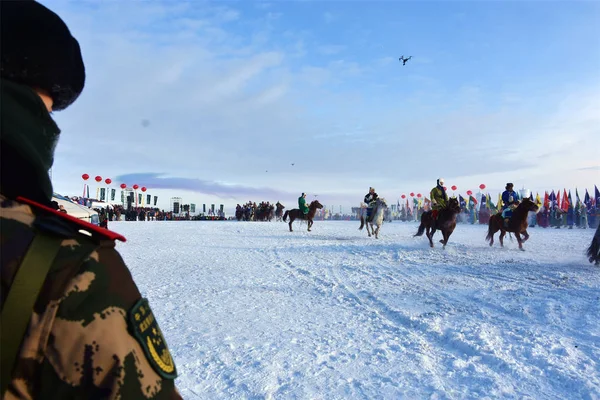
90 335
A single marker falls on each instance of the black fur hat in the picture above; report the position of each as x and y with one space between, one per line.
38 50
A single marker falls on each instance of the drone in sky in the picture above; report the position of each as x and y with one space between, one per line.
404 60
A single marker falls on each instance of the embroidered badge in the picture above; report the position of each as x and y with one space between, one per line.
146 331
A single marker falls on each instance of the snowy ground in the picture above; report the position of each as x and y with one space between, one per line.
253 311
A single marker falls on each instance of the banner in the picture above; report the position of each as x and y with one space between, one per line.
122 197
113 192
139 198
148 199
204 208
102 194
155 199
193 207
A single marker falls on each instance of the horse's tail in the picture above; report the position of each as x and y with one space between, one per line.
593 252
490 234
421 227
285 216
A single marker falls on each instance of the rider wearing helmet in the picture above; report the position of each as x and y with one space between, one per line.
439 198
370 199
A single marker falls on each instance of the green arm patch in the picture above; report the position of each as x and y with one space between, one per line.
148 334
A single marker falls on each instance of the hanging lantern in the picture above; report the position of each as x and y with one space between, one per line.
144 189
403 196
123 186
419 195
98 178
469 192
135 187
85 177
108 181
412 194
454 187
482 186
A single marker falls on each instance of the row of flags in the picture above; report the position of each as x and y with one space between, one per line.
551 200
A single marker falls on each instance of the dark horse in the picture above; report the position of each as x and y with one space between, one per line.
593 252
279 211
297 214
517 224
446 222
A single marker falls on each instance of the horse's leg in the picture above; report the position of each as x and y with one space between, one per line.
525 236
291 220
309 222
429 233
501 238
445 236
518 236
377 232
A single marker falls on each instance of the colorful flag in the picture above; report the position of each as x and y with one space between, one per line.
597 196
577 199
557 203
570 199
587 200
461 201
538 200
500 202
565 202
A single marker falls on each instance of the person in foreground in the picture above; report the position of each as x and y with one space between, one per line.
369 200
74 324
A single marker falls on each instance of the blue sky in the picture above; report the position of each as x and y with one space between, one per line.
235 92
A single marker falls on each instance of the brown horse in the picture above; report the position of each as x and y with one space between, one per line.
446 222
279 211
297 214
517 224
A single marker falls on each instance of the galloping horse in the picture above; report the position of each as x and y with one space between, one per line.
593 252
379 210
446 222
517 224
279 212
297 214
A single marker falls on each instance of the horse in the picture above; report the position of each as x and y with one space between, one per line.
593 252
379 210
446 222
517 224
295 213
279 212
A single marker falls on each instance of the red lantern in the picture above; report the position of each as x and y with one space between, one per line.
108 181
85 177
412 194
403 196
98 178
445 188
135 187
123 186
454 187
144 189
419 195
469 192
482 186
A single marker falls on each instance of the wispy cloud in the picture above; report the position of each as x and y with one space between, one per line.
229 96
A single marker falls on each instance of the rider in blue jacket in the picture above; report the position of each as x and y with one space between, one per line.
510 199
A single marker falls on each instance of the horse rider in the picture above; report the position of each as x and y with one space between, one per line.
302 204
370 200
510 200
439 198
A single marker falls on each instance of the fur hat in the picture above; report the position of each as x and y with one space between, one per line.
39 51
440 181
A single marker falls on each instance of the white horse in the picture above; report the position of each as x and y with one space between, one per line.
378 214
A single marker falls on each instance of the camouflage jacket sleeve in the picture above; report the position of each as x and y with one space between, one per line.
91 335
